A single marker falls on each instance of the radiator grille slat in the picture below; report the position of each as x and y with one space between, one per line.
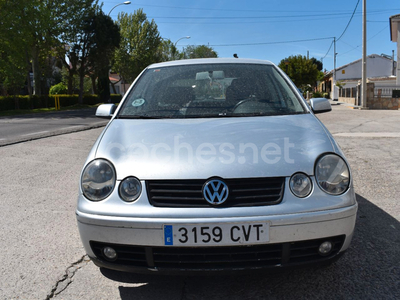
242 192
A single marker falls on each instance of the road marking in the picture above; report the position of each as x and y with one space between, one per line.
40 132
369 134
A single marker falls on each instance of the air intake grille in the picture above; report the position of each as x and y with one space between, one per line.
242 192
221 258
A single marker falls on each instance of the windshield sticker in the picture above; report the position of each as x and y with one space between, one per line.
138 102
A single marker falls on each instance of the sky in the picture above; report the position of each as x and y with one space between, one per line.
272 29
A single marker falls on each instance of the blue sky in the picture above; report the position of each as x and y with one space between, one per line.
271 29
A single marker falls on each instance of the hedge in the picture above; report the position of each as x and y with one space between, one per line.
47 101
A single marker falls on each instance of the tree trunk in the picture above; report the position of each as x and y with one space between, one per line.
94 87
36 71
28 76
103 84
81 81
70 87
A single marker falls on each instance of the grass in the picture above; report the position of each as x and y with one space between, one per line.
8 113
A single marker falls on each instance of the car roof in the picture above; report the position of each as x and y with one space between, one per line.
200 61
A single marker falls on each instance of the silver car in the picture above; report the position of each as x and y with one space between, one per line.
214 165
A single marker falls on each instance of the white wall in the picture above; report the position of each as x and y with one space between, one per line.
377 66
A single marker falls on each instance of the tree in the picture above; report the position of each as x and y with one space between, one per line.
201 51
68 50
317 62
168 51
302 71
41 25
93 49
14 63
48 21
139 46
104 41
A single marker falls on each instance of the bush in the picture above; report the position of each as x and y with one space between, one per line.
45 101
90 99
58 89
65 100
9 103
317 95
326 95
115 98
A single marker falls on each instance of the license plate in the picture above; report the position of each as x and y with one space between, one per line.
216 234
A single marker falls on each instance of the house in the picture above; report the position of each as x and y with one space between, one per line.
395 37
381 70
117 84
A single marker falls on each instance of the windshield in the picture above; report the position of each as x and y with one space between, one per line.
209 91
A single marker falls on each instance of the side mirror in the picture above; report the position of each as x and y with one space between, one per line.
320 105
105 111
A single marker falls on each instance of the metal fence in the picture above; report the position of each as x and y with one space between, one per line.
384 91
348 92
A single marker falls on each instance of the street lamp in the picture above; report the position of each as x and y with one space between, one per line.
123 3
185 37
174 49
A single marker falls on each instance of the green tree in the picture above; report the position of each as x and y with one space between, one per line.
201 51
302 71
93 49
317 62
14 63
139 46
168 51
104 42
41 26
68 50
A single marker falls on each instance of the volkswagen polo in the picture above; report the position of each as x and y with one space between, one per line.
214 165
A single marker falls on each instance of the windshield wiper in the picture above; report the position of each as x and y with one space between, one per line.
143 117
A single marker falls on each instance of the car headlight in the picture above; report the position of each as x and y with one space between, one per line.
332 174
130 189
300 185
98 180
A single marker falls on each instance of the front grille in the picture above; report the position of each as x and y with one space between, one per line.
242 192
221 258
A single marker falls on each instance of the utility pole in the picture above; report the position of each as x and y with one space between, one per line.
335 97
364 58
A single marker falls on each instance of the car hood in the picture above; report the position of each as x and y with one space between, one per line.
219 147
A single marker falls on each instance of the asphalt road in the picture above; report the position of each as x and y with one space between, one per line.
42 256
17 129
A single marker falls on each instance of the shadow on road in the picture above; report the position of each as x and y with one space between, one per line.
370 269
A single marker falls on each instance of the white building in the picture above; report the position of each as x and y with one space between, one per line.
395 37
381 70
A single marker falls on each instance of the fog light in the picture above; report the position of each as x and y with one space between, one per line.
325 248
110 253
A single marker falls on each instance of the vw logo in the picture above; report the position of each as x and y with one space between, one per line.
215 191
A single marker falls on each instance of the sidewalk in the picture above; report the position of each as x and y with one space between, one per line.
348 105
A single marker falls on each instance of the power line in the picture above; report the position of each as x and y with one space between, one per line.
344 31
330 47
271 43
225 9
355 48
351 18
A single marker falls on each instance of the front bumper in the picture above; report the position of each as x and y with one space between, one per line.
293 240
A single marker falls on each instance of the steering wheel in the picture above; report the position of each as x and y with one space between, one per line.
244 101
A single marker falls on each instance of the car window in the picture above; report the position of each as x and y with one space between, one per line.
211 90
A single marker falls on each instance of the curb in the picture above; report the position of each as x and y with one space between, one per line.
54 133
